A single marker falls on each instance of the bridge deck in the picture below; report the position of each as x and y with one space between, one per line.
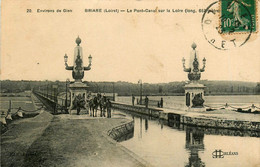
65 140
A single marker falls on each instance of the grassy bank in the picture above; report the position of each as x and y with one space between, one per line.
68 140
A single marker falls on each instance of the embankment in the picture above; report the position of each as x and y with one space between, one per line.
201 119
19 137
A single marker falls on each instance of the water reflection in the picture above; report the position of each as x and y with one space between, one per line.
141 127
194 144
146 124
161 123
166 143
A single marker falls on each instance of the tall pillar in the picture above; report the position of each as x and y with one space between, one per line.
78 96
194 91
193 103
78 90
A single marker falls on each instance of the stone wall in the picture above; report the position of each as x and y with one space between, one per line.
217 123
194 121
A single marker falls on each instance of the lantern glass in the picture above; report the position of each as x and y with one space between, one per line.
66 58
90 59
183 60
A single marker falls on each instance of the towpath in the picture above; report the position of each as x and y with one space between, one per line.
65 140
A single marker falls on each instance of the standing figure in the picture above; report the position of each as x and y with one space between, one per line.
100 105
104 101
133 100
146 100
161 102
91 105
108 105
95 106
78 103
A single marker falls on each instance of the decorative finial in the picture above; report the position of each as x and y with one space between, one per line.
193 46
78 41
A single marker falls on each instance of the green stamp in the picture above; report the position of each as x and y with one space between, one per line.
238 16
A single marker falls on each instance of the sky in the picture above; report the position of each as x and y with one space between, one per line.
124 46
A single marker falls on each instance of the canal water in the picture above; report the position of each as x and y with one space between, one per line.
164 144
177 102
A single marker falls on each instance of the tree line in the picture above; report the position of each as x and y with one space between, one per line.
127 88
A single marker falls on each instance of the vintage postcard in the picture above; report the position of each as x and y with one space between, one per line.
130 83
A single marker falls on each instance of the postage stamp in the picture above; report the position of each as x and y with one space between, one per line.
228 24
238 16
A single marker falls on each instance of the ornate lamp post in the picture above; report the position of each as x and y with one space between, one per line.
55 99
194 73
90 59
66 59
78 68
78 89
113 91
141 91
45 91
66 100
204 65
194 91
47 94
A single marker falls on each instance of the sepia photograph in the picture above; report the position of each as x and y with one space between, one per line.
138 83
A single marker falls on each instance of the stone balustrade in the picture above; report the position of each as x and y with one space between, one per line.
154 112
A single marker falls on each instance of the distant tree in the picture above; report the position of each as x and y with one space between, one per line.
160 89
257 88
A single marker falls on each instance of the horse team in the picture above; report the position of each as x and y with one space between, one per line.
99 102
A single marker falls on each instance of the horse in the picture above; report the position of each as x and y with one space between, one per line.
93 105
102 105
97 102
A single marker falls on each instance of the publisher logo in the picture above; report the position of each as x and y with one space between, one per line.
220 154
217 154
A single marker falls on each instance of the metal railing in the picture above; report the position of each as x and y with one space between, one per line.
121 130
